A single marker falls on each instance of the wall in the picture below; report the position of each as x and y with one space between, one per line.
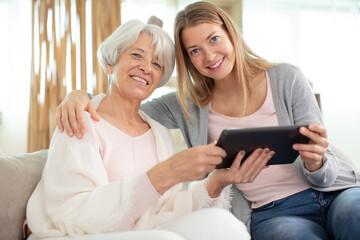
15 51
322 38
13 133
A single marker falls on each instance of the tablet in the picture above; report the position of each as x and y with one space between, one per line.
279 139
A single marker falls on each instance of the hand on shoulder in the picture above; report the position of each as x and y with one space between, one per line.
70 113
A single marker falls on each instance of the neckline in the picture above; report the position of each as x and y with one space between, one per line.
124 133
268 92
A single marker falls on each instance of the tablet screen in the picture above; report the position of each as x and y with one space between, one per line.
279 139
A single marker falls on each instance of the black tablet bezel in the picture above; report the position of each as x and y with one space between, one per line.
279 139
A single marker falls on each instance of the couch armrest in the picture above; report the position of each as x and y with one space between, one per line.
19 175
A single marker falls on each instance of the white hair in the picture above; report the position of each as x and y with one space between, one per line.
127 34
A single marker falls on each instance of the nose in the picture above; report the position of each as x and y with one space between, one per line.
209 54
145 67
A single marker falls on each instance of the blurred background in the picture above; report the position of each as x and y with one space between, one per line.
47 49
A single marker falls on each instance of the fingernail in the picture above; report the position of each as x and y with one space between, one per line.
78 135
83 130
242 152
266 151
70 134
260 152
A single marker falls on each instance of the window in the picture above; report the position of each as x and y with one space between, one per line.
322 38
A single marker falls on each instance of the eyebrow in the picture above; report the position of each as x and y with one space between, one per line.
142 50
207 38
139 49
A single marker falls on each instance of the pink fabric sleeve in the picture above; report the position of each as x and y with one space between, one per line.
144 196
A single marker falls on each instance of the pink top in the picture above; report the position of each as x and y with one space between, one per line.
140 154
274 182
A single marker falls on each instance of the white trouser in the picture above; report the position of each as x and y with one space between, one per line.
209 223
206 224
132 235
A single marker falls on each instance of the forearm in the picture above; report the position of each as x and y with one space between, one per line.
213 187
162 178
326 175
312 167
116 205
144 195
306 111
204 199
75 188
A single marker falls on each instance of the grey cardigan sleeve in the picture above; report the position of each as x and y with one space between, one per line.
164 109
300 98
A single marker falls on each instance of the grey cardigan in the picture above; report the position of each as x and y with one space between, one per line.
295 104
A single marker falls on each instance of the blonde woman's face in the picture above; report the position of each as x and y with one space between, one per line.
210 50
138 70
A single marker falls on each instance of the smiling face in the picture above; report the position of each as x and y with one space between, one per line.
209 49
137 71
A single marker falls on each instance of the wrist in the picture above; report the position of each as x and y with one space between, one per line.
90 96
160 179
312 167
213 188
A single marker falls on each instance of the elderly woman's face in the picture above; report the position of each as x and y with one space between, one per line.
138 70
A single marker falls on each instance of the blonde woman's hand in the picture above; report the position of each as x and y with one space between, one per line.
313 152
239 173
70 113
189 165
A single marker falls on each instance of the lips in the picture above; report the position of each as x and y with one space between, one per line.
139 79
217 64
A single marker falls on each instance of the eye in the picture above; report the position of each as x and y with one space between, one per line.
157 65
136 55
214 39
194 51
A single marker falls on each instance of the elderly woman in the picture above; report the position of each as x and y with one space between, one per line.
123 175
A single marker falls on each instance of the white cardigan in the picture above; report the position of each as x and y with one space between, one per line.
74 196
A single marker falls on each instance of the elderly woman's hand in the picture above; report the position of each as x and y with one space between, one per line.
70 113
188 165
239 173
312 153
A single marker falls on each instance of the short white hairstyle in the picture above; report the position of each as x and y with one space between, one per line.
127 34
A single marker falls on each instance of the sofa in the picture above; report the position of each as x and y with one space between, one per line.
19 175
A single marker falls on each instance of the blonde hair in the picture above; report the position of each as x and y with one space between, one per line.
191 83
